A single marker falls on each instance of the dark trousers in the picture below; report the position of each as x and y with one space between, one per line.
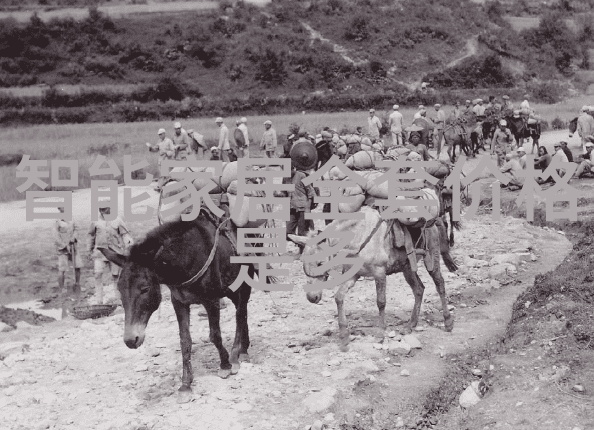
299 225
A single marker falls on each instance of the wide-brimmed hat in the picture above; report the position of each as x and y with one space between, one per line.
219 119
304 156
161 131
177 125
414 127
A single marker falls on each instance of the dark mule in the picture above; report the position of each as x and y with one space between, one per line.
522 130
572 126
374 244
193 259
455 135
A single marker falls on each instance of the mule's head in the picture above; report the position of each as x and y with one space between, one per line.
140 291
311 266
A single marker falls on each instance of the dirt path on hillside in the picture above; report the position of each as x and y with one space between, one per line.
297 374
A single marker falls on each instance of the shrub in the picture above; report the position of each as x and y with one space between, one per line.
270 68
358 29
170 88
558 124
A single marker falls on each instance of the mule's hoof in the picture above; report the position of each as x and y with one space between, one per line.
234 368
224 373
185 389
406 329
244 358
449 325
344 347
185 395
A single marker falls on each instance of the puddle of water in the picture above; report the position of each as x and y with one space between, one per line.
37 307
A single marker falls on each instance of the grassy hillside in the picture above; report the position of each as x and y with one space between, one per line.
289 55
244 48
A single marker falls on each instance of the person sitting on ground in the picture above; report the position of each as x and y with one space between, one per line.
585 160
567 151
560 155
544 159
512 169
214 154
522 156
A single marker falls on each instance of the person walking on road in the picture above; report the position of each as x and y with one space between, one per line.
181 142
242 139
374 124
224 145
395 123
439 126
115 236
269 142
166 151
67 248
502 139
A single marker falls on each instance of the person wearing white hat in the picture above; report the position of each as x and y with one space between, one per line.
269 142
114 235
224 145
468 106
181 142
66 244
243 151
395 124
439 126
585 159
374 124
525 105
507 104
585 126
166 151
501 142
478 109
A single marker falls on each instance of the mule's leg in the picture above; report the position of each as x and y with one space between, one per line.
182 312
451 212
380 288
214 316
434 251
242 339
343 325
418 289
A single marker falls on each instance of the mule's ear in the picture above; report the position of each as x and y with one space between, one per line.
113 256
300 240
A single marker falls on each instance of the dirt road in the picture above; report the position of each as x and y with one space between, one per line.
73 374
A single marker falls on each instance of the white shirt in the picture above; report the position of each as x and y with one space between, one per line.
560 155
396 121
418 115
525 105
244 130
374 126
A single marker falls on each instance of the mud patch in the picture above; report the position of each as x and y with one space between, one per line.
12 316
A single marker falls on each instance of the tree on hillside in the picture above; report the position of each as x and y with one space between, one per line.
270 68
554 37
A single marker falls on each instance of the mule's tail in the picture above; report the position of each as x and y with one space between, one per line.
444 246
449 261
